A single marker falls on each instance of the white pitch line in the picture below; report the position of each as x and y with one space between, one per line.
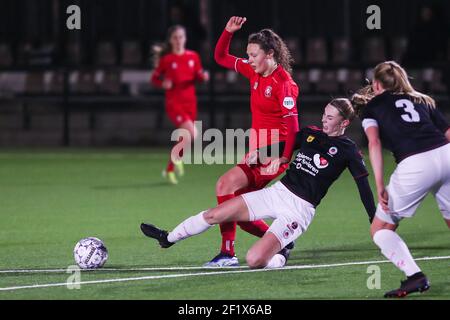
117 269
62 270
208 274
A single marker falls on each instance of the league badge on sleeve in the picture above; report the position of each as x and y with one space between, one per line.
288 103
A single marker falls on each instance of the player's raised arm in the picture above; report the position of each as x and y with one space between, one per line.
221 53
235 24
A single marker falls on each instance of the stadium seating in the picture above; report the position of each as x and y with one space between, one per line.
6 57
316 51
106 54
131 53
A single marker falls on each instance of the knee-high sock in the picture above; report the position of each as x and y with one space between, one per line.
170 166
277 261
178 157
395 249
189 227
227 230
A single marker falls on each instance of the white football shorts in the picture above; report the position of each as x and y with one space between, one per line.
411 181
292 215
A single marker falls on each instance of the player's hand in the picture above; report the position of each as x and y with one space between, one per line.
274 166
205 76
251 158
383 199
167 84
235 23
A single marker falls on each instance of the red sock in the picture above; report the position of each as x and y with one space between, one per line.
227 229
257 228
170 166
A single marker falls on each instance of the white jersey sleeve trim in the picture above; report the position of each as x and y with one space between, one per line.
235 64
290 115
367 123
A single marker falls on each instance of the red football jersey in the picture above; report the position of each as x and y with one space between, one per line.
272 99
183 70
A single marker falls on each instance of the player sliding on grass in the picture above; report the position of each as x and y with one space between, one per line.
273 103
322 156
177 70
418 135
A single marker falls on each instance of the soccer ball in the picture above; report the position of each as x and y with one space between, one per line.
90 253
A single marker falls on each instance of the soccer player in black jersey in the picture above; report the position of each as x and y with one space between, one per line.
409 125
323 154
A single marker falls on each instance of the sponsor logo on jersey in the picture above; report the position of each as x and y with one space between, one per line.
332 151
303 162
268 92
310 139
320 162
174 65
288 103
255 86
191 63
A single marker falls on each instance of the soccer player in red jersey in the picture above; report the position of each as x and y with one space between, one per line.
177 71
274 118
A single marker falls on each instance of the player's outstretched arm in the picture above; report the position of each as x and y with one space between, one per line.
366 195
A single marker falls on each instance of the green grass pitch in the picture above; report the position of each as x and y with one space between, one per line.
51 199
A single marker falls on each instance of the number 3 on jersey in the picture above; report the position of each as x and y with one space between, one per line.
412 115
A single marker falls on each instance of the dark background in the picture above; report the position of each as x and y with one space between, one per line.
90 87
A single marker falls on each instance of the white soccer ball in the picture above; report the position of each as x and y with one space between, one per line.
90 253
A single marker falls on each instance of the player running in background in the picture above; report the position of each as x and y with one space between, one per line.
273 96
322 156
177 70
409 125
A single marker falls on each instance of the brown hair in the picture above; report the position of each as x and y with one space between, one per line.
395 79
161 49
268 40
345 108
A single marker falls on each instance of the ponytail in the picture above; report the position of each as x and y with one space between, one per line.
395 79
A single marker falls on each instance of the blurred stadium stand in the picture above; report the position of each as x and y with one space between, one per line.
91 87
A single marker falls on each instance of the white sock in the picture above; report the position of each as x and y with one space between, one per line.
277 261
189 227
395 249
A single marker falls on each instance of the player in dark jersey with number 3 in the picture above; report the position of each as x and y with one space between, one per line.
416 132
322 156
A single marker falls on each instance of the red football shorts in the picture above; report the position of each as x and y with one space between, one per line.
257 179
180 113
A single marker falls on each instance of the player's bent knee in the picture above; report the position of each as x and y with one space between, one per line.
225 185
210 217
378 225
255 261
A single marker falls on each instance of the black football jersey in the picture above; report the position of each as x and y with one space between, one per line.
406 128
319 161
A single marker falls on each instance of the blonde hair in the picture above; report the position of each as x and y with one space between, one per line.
361 98
395 79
